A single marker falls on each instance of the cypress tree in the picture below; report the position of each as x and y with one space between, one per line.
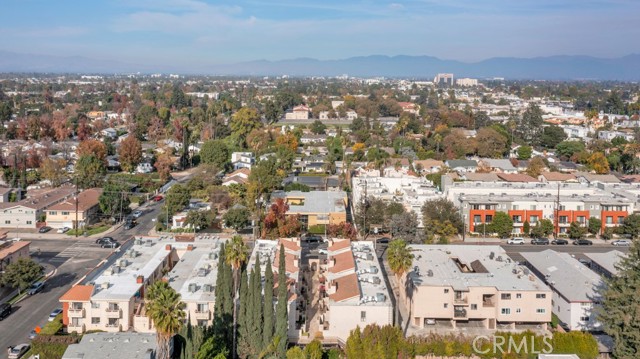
256 308
267 328
223 310
281 307
244 317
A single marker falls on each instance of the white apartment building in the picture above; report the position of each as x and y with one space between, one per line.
467 82
242 160
478 286
27 212
409 190
575 287
610 135
355 292
112 298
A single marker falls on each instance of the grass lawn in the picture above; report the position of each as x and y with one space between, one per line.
91 231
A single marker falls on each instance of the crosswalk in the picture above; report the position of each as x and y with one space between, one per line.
74 250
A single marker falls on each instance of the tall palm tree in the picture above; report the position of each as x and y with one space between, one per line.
165 308
400 261
236 255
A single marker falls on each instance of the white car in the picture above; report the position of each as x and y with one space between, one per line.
63 230
54 314
137 214
18 351
516 240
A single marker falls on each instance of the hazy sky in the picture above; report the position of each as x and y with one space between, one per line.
194 32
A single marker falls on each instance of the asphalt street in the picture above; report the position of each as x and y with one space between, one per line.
72 258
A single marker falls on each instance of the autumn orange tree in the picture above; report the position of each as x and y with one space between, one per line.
163 166
277 224
342 230
130 152
92 147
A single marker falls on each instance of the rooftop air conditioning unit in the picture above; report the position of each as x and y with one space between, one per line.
193 287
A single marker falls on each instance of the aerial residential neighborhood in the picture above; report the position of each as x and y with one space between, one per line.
319 180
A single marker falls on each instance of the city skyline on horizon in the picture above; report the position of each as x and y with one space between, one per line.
192 32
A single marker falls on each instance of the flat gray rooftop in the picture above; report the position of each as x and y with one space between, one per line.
606 260
122 345
566 275
462 267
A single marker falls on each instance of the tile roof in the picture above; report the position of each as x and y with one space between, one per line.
338 245
290 245
78 293
12 248
86 200
346 288
343 262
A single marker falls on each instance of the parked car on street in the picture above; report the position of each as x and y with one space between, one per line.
35 288
5 310
582 242
44 229
621 242
540 241
560 242
137 214
54 314
157 198
110 245
516 240
33 334
16 352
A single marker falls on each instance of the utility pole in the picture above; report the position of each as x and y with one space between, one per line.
556 220
76 223
364 208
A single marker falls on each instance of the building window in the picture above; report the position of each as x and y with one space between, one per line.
95 305
29 222
505 311
505 296
609 220
488 218
76 306
446 290
446 305
474 307
585 305
533 207
514 207
95 320
202 308
533 219
363 316
75 322
518 295
518 310
65 213
477 219
581 219
203 322
541 310
7 222
541 296
113 322
584 319
113 307
620 220
563 219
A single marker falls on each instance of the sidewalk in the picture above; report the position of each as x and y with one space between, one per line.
49 235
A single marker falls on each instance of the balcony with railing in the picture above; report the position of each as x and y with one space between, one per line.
202 314
75 327
459 312
113 313
75 313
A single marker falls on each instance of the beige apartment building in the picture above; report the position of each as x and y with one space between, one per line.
63 214
27 212
112 299
477 286
11 251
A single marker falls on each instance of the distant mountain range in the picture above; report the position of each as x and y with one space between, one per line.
625 68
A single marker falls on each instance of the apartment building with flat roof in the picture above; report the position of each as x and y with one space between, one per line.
575 287
605 263
354 292
112 298
27 212
479 286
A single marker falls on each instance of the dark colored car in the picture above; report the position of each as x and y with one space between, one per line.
44 229
582 242
110 245
129 225
383 240
35 288
540 241
560 242
104 240
5 310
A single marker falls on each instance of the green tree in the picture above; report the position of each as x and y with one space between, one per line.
620 305
441 218
576 231
223 311
567 149
491 143
552 135
257 308
524 152
631 225
21 273
268 314
318 127
243 122
313 350
166 310
282 319
236 255
295 353
236 218
400 261
526 227
114 200
89 172
502 224
530 126
199 219
177 198
244 345
215 152
594 226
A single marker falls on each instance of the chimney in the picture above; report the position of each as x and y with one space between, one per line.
190 247
167 247
140 279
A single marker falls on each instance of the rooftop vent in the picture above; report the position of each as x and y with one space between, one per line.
430 273
193 287
208 288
